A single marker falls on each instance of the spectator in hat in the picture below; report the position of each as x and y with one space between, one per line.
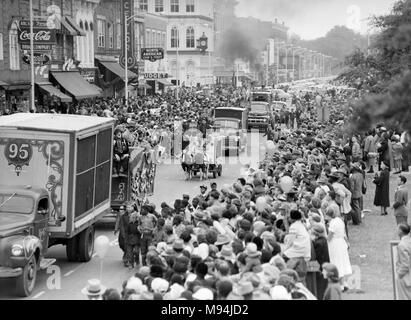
382 190
94 290
356 183
397 150
202 196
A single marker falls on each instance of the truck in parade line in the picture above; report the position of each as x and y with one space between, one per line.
55 185
231 125
259 113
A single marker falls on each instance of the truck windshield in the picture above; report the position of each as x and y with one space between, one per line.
226 124
16 204
258 108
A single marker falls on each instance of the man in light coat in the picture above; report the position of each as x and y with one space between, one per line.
401 201
403 264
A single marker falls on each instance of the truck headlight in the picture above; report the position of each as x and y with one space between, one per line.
17 250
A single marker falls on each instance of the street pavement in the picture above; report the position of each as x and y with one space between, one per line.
65 280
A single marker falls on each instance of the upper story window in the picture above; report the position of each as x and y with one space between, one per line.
1 47
159 6
190 5
174 37
175 6
190 38
14 48
143 5
101 28
110 30
118 35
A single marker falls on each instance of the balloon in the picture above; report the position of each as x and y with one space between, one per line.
270 145
219 227
286 184
261 204
101 246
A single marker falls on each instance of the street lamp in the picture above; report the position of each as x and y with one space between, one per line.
278 58
33 105
126 20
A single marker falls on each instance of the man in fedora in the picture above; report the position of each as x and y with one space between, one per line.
356 183
202 196
94 290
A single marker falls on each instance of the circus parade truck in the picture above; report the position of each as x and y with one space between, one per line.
55 184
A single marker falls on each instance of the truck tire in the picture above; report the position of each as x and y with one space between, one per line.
86 244
26 282
72 249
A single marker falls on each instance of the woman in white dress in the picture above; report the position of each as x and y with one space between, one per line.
338 247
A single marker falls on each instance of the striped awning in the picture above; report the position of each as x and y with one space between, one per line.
69 26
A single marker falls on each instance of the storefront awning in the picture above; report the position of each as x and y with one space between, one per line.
3 84
76 85
118 70
164 82
54 92
75 26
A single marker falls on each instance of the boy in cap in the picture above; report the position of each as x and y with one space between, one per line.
121 155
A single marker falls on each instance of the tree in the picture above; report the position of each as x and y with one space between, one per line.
386 74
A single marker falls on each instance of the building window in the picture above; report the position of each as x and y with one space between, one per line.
154 39
159 39
14 48
163 40
159 5
110 31
175 6
143 5
190 6
148 38
190 38
101 27
118 35
174 38
1 47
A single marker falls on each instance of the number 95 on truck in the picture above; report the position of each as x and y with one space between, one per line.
55 184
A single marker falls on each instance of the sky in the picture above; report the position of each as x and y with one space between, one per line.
312 19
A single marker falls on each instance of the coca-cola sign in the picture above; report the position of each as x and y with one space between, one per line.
41 34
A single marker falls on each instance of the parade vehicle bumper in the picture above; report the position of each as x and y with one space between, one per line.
6 272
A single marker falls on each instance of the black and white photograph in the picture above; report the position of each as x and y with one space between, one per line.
219 151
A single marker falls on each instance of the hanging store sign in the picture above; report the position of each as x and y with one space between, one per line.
156 75
41 33
127 10
152 54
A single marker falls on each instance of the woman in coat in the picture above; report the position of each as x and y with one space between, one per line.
322 256
382 191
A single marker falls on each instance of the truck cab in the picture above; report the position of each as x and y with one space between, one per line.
231 125
24 237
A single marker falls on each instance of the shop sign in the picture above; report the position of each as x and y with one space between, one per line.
41 33
152 54
37 47
40 59
156 75
89 75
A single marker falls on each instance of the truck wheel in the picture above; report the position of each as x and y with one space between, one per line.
26 282
86 244
72 249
